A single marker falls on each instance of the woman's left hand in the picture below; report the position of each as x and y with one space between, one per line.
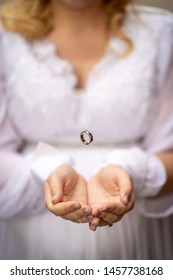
110 194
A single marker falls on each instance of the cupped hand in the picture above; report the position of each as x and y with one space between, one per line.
66 195
110 194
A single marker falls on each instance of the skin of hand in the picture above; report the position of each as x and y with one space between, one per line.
110 194
66 195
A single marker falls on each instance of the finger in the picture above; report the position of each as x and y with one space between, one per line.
92 227
112 215
97 222
48 196
110 218
93 223
131 203
84 219
82 213
56 187
112 212
116 207
66 208
126 187
62 207
96 211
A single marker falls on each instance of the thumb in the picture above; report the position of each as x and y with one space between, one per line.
56 185
126 188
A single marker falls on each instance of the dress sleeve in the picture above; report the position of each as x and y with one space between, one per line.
160 134
14 180
147 171
22 176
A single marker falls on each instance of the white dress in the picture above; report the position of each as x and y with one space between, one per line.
127 104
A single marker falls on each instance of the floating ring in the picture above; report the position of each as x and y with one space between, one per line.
89 136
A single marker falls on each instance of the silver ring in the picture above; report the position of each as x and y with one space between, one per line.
89 136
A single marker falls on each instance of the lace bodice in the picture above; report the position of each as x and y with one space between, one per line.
116 104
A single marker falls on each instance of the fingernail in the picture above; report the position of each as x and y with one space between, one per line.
75 206
106 209
89 218
54 197
97 213
96 223
85 211
93 228
126 198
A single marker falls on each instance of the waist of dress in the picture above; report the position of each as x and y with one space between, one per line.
77 145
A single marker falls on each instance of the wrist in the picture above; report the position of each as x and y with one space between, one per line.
46 160
147 172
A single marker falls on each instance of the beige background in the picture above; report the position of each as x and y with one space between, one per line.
167 4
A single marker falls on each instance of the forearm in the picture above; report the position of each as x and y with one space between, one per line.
167 159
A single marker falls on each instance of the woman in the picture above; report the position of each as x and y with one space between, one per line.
67 66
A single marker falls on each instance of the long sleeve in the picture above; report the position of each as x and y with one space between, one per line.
14 180
21 192
147 171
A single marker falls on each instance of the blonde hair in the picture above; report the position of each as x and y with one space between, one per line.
33 18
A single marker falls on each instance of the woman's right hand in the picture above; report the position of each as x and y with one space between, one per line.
66 195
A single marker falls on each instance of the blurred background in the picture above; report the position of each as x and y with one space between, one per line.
166 4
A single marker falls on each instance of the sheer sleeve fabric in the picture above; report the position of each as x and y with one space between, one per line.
160 134
147 171
18 194
22 177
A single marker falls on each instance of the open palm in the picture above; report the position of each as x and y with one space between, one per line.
110 194
66 195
